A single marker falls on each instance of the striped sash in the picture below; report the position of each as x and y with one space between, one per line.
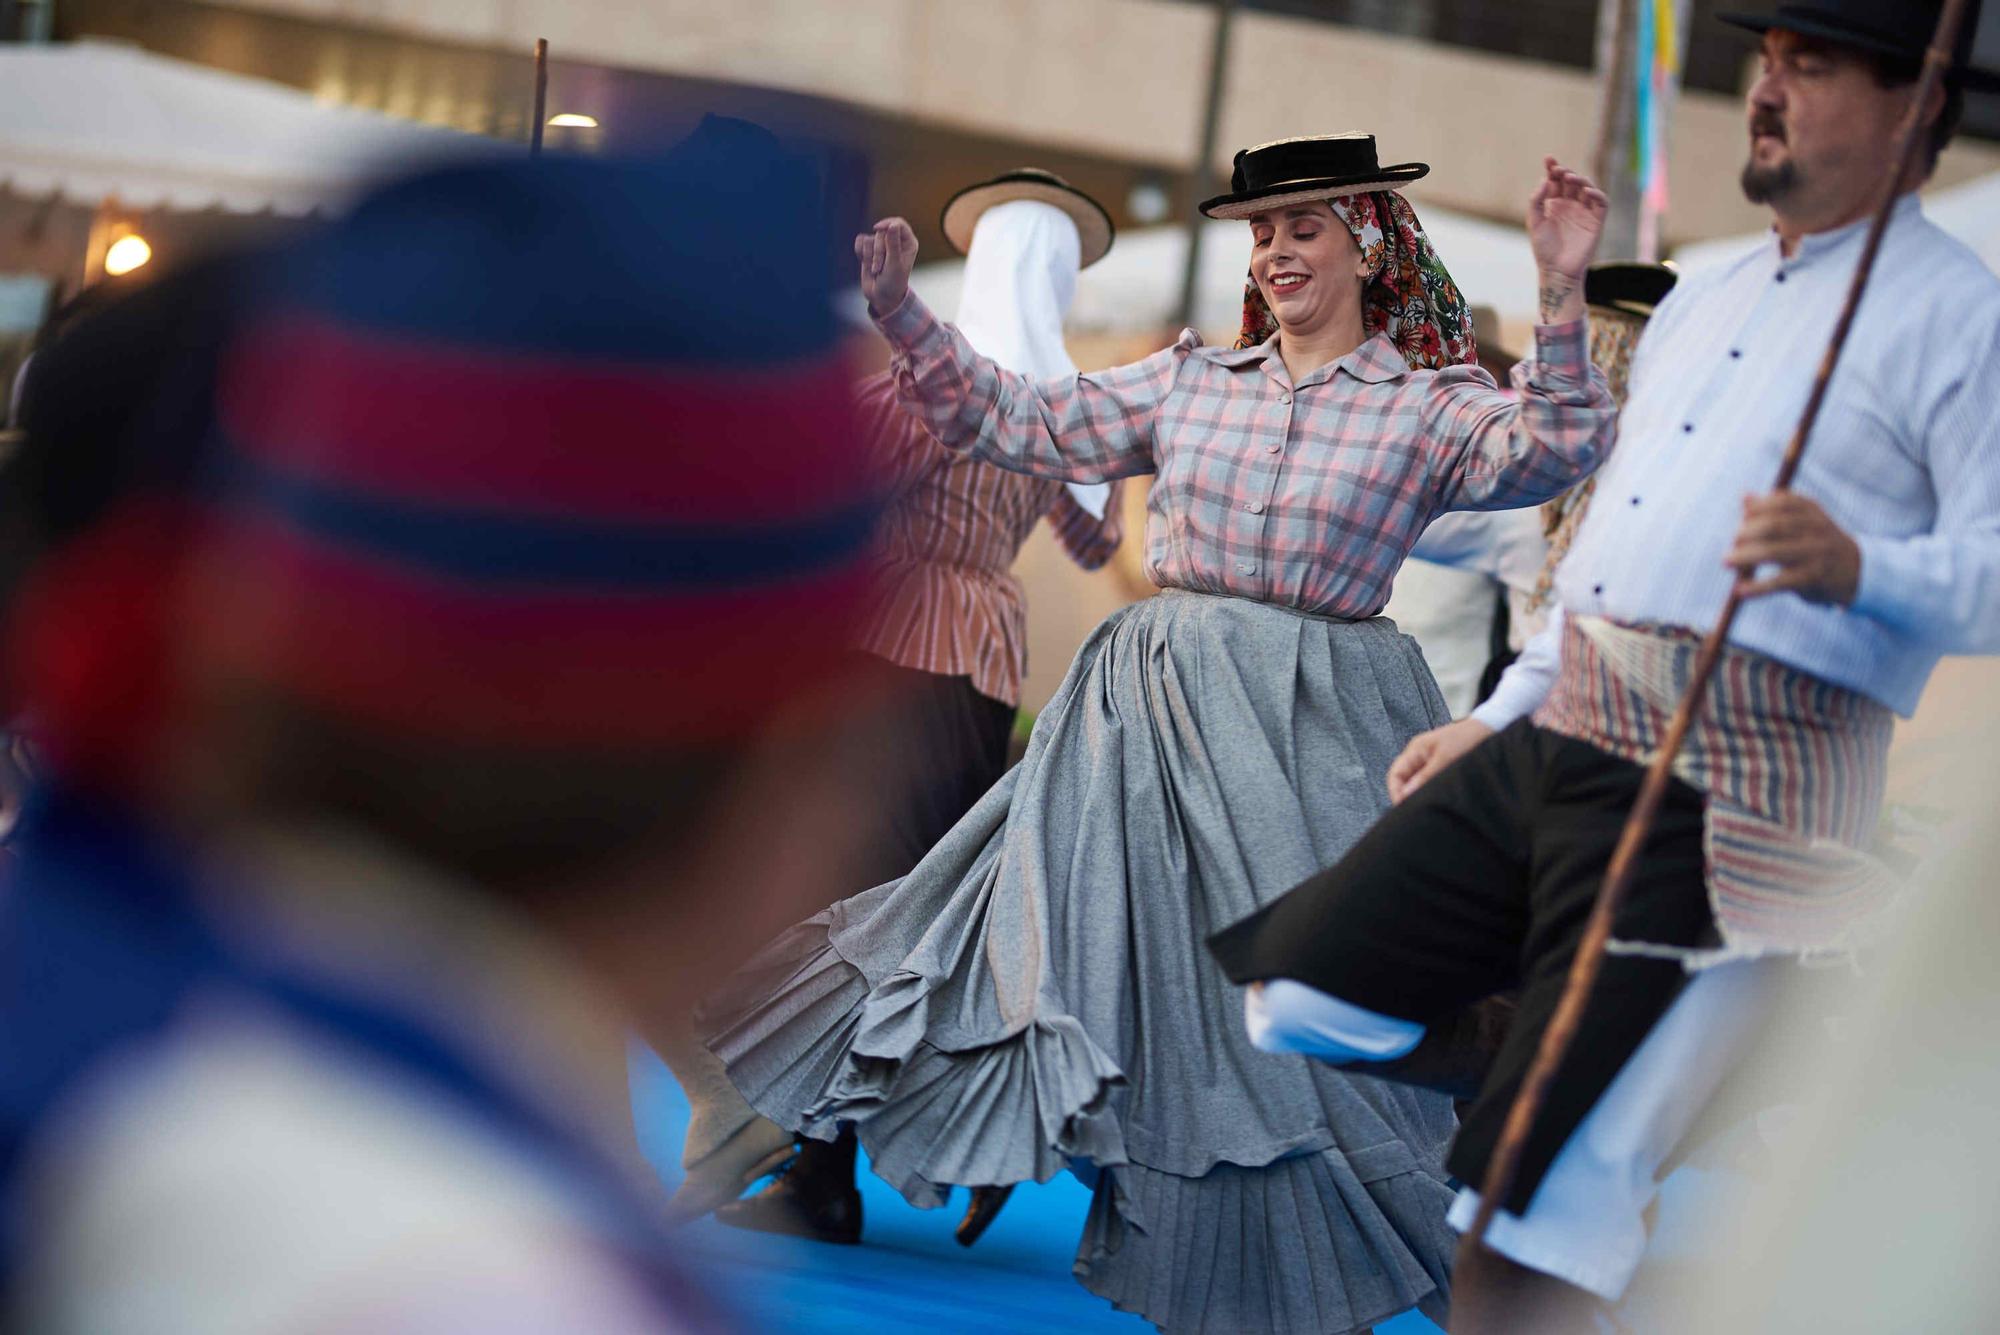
1793 768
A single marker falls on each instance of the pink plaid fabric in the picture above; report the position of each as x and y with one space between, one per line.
948 601
1310 495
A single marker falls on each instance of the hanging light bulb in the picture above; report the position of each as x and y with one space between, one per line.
126 254
573 120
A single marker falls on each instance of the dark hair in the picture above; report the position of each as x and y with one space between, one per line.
1895 72
115 406
117 399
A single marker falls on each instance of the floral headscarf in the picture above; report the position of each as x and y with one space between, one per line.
1409 295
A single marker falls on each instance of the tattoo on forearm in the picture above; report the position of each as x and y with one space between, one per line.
1556 289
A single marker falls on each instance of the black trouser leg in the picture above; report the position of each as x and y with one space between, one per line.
1480 882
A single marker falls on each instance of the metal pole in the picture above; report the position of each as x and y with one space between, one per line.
1204 176
1653 220
541 97
1611 157
30 22
1504 1166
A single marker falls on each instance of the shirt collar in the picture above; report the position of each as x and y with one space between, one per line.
1815 244
1375 361
1240 357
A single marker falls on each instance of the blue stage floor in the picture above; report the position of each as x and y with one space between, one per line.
908 1276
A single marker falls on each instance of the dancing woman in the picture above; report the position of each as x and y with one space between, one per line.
1035 994
947 636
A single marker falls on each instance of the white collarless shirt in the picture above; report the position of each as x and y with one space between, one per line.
1905 458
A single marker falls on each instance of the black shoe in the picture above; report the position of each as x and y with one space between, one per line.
987 1203
815 1198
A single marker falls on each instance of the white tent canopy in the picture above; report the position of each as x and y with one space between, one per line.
1970 212
98 120
1137 286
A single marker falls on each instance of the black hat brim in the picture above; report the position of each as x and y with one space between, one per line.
1629 285
1970 77
1281 193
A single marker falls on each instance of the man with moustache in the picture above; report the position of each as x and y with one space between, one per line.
1884 556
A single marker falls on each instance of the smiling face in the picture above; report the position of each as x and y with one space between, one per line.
1306 264
1821 126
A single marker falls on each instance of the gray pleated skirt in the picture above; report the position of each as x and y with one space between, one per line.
1036 994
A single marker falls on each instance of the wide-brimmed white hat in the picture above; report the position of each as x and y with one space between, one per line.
1093 224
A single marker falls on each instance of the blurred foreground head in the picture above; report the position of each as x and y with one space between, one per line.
529 537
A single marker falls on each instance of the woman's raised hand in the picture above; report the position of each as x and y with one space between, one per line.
887 255
1565 220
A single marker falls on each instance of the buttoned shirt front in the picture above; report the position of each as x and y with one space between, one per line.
1905 459
1309 494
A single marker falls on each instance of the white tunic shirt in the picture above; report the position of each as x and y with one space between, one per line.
1906 459
1445 596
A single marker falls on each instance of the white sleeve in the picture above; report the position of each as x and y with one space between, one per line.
1941 589
1463 540
1523 686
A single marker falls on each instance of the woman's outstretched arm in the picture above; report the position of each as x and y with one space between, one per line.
1083 428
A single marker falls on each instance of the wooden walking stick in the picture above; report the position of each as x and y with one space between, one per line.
541 96
1505 1164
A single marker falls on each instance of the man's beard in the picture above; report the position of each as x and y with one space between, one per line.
1763 184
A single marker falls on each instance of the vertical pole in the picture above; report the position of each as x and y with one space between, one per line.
30 21
1652 217
541 97
1204 167
1611 160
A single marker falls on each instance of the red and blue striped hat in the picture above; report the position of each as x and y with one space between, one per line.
556 453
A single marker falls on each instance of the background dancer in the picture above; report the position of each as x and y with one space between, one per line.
1884 556
951 624
1034 994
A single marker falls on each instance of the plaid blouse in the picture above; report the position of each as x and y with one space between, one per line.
949 603
1306 495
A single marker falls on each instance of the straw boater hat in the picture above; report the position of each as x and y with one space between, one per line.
1297 171
962 210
